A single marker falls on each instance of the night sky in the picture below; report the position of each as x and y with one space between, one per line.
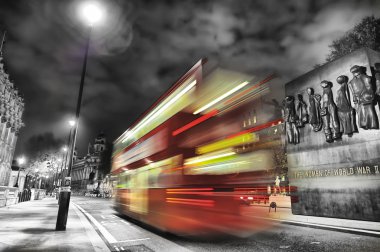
144 46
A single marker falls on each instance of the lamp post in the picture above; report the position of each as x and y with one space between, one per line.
63 164
20 161
92 13
56 174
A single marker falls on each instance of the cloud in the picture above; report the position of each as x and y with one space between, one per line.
41 143
306 45
144 46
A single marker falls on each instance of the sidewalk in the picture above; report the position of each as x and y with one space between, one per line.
344 225
30 226
284 213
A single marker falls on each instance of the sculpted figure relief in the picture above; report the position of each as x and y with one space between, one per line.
363 97
290 119
377 77
329 113
345 111
315 119
301 109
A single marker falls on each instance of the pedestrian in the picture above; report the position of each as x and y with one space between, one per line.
277 185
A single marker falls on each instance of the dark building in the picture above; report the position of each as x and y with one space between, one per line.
85 173
11 110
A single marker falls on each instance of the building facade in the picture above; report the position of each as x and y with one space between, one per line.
85 174
11 110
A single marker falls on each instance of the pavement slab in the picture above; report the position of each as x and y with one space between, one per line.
30 226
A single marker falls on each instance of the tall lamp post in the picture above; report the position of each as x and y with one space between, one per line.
63 165
20 161
70 140
92 14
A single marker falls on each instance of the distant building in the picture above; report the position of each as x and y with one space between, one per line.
11 110
85 172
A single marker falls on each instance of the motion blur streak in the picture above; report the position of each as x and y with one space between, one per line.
189 189
243 138
195 202
161 108
206 174
248 90
200 160
260 127
240 86
196 122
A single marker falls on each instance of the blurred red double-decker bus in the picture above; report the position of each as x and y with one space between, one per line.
187 165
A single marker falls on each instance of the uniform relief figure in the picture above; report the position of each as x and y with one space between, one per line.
329 113
377 77
363 97
290 119
315 119
301 109
377 82
345 111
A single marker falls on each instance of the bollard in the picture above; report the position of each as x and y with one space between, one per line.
63 210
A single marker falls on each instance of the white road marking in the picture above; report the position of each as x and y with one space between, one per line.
117 249
125 222
141 239
314 242
97 242
122 248
104 231
102 216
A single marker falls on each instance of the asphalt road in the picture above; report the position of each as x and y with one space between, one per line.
123 234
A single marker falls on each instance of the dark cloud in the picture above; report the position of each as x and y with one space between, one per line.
42 143
144 46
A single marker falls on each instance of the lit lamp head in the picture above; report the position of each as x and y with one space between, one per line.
91 13
21 160
64 149
72 123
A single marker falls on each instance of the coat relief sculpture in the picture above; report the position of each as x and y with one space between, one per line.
377 78
314 110
363 98
329 113
338 118
301 109
290 119
346 113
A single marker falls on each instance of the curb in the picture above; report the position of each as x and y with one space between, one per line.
366 232
98 242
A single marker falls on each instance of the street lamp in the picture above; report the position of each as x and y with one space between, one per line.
72 123
91 13
20 161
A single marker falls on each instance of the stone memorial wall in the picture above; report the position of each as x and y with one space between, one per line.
331 116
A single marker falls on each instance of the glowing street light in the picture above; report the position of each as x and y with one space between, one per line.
21 160
91 13
72 123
